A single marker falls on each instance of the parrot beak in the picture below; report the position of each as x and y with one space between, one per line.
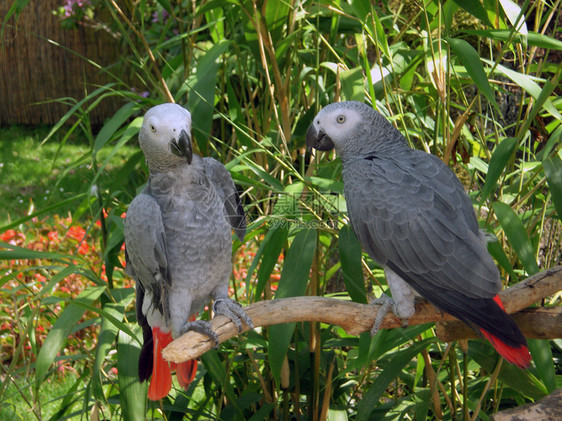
318 139
182 146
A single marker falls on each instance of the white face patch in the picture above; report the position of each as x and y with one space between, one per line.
338 123
161 124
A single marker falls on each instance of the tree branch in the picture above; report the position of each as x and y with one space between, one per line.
548 408
353 317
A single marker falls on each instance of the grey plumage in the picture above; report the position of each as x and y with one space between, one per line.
413 217
178 231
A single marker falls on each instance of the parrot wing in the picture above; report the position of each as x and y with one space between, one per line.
222 181
146 262
412 214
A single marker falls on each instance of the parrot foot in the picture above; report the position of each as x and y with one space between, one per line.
234 311
387 304
203 327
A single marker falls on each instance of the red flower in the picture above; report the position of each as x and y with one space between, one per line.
40 278
84 248
8 235
53 236
76 232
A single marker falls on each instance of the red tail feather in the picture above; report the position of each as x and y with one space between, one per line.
161 380
517 356
185 372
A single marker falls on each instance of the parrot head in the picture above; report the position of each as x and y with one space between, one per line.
165 136
352 128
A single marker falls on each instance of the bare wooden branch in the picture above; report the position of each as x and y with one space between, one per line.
354 318
548 408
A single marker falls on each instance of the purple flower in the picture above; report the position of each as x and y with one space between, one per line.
70 6
156 16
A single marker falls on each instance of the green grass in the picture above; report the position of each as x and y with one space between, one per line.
20 404
36 175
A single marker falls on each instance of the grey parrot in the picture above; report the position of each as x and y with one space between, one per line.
178 243
413 217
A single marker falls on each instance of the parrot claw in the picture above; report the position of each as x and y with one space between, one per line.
234 311
204 328
387 304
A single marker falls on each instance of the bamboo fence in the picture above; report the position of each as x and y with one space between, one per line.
40 62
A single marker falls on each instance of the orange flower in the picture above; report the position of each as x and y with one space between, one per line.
8 235
84 248
76 232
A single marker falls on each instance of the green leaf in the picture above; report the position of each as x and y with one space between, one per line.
352 269
542 357
166 5
266 176
500 157
132 393
553 170
70 113
475 8
470 59
113 124
270 249
20 253
353 84
293 282
423 402
532 38
276 13
44 210
496 250
296 268
528 83
202 93
366 14
64 325
106 338
520 380
517 236
397 362
217 371
515 15
543 98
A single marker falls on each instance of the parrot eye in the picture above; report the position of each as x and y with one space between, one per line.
153 128
340 119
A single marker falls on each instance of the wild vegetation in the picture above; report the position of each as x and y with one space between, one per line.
472 82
